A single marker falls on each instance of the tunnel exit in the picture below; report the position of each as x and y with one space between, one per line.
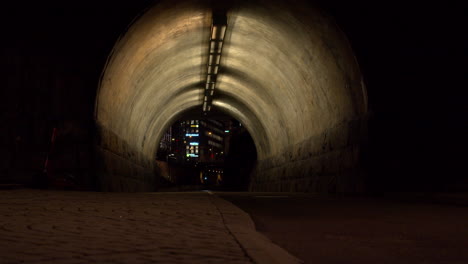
217 154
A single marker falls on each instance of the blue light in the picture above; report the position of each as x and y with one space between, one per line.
226 131
191 135
193 143
193 155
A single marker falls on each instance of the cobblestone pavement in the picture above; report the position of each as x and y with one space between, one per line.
89 227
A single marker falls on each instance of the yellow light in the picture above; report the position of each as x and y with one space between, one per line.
218 32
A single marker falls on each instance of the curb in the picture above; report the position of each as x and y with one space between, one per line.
257 246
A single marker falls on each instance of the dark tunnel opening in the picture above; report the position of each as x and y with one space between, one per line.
199 152
240 161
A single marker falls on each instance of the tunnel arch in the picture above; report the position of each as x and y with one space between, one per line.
287 72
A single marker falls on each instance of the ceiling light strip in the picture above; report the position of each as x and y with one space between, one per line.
218 32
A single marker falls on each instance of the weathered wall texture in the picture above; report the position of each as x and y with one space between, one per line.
120 167
327 163
287 73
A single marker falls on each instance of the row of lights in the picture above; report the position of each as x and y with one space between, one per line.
218 31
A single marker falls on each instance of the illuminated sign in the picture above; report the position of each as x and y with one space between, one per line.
194 126
227 131
191 135
193 143
192 155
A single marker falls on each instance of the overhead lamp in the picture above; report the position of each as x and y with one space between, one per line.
213 69
218 31
211 78
216 46
209 86
214 59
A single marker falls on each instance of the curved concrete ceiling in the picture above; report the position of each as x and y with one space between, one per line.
287 73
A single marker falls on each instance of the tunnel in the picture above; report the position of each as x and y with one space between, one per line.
286 71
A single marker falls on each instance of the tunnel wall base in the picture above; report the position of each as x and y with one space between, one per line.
119 168
327 163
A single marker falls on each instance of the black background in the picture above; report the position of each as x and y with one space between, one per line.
413 57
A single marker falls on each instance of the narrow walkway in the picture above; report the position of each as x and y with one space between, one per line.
85 227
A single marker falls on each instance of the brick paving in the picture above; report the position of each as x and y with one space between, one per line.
89 227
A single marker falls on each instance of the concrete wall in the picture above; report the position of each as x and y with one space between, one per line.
327 163
120 167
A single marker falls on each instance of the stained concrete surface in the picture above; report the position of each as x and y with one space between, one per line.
319 229
196 227
86 227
